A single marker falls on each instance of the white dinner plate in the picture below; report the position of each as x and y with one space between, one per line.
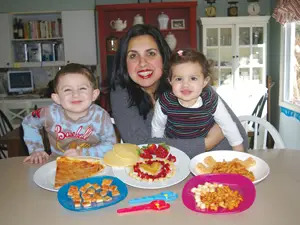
261 169
44 177
182 171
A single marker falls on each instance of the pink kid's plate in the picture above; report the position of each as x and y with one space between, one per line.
235 181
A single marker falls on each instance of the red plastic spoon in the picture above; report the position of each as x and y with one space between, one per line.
154 205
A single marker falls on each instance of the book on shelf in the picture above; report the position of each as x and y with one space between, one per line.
20 50
34 52
48 52
35 29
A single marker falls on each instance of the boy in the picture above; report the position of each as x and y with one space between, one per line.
74 125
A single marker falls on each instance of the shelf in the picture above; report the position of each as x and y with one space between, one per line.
110 53
70 37
162 31
38 64
38 39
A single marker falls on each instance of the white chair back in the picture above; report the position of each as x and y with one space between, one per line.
116 130
261 128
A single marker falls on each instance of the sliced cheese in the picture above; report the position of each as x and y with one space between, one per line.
111 159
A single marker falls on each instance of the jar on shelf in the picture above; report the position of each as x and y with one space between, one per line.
112 44
163 20
138 19
171 40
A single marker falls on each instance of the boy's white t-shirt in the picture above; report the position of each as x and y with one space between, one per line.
221 116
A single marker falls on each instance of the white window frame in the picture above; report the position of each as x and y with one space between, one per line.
287 38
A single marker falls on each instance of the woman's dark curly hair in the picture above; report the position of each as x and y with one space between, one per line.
120 76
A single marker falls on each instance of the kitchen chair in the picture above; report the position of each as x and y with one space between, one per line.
119 139
259 108
5 127
261 127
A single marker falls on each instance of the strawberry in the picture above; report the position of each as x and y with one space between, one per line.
162 151
144 153
171 158
145 150
151 148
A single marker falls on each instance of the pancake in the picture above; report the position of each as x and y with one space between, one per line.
126 150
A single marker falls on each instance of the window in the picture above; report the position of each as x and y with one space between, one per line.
290 89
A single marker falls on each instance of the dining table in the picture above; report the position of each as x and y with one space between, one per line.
277 200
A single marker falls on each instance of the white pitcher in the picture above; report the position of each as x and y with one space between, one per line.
118 24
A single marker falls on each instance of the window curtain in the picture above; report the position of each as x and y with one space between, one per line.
287 11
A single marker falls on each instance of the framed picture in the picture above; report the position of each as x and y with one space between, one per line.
177 24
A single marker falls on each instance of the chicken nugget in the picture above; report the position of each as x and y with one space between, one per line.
209 161
201 168
248 162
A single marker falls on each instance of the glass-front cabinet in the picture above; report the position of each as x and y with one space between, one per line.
237 47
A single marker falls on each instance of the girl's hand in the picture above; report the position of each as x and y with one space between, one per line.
37 157
72 152
239 148
213 138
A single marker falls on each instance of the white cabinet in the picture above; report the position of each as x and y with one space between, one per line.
238 47
5 37
49 39
79 36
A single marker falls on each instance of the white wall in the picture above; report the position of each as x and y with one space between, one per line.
289 129
44 5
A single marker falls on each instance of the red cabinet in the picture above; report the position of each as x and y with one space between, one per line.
182 13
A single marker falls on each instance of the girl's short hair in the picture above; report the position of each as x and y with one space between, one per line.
191 55
74 68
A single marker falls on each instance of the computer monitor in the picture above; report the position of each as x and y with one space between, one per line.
20 82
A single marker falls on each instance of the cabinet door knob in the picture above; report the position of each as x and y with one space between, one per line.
7 64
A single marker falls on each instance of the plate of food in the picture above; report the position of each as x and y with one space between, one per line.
70 169
159 166
223 161
92 193
218 193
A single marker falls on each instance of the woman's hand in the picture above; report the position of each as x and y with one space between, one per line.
214 137
37 157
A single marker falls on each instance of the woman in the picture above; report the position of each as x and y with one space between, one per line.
139 77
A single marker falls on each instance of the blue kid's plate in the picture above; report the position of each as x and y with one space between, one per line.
67 202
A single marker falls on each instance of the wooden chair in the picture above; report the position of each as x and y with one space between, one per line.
260 130
5 127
